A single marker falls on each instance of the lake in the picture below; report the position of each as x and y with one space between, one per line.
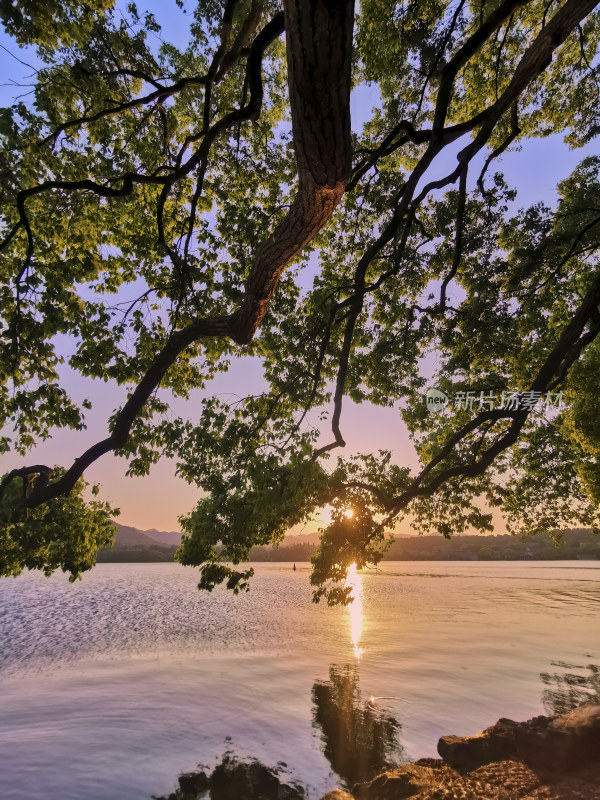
112 686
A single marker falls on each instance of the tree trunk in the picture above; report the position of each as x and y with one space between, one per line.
319 59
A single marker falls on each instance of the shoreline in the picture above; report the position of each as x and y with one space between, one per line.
544 758
556 757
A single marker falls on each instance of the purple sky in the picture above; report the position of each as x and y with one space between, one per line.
157 500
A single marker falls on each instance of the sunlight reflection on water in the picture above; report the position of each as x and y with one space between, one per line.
355 608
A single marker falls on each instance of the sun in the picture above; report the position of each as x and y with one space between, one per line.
349 513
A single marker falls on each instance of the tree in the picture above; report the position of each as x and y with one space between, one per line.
489 554
176 171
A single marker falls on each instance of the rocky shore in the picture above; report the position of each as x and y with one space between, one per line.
545 758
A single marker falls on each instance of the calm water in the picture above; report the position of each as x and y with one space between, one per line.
112 686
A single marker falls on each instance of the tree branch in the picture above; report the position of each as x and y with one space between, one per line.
319 51
534 61
563 355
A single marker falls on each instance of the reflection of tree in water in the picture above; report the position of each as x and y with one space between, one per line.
573 685
359 741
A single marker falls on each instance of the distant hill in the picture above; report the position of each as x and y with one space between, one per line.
167 538
132 544
301 538
127 536
578 543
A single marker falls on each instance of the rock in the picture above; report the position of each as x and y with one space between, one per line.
428 783
337 794
191 784
469 752
234 780
429 762
552 745
503 780
514 776
556 745
405 781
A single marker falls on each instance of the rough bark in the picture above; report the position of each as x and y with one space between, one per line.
319 51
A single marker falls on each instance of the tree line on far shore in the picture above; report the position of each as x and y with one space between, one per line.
573 544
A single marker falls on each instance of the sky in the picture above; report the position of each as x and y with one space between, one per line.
157 500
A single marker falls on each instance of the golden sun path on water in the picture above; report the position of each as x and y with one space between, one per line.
355 608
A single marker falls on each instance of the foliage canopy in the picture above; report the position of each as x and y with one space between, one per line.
203 178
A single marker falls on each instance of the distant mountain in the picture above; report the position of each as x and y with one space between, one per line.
166 538
313 538
301 538
132 544
127 536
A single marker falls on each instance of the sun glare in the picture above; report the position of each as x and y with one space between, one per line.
349 513
354 582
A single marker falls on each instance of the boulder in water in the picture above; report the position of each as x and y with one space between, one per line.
469 752
561 744
551 745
